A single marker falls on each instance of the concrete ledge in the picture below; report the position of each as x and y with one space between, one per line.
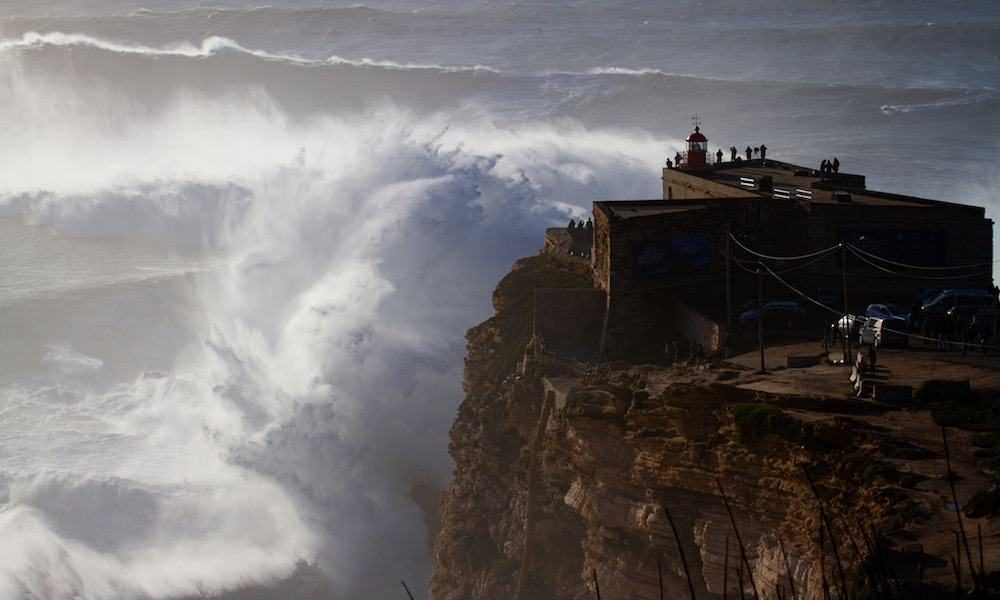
934 390
893 394
801 361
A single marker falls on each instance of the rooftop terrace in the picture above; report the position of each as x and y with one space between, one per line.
793 182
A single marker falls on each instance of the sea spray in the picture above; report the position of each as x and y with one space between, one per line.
324 363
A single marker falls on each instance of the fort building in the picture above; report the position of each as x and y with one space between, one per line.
664 265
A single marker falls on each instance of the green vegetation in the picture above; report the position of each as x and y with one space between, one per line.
877 470
757 420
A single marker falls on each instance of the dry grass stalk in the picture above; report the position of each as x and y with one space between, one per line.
739 540
680 549
958 509
829 530
725 572
788 570
659 574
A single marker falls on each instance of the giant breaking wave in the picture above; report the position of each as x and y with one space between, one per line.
352 248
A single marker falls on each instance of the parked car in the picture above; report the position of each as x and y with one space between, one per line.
892 333
883 332
868 330
790 312
927 294
959 319
887 311
963 315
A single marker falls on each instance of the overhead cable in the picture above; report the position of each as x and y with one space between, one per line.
804 256
899 264
912 276
839 313
799 292
789 269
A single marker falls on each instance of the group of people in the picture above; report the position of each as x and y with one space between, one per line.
751 152
581 225
734 155
693 351
829 168
943 333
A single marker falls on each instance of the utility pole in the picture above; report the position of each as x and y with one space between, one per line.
729 297
847 312
760 316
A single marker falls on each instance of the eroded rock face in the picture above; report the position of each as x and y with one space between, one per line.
616 455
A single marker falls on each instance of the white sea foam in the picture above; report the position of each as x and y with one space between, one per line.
322 386
212 46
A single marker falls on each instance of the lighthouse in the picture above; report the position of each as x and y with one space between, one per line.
697 150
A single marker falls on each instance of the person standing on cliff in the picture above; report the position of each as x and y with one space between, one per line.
718 156
763 152
835 165
732 153
749 153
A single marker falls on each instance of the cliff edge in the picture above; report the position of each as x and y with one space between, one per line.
702 480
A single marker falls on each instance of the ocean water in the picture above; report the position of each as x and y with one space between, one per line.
239 246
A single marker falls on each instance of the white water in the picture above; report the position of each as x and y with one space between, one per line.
235 281
274 396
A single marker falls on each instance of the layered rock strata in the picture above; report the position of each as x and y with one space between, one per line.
566 481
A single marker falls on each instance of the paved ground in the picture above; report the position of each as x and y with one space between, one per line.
909 423
908 366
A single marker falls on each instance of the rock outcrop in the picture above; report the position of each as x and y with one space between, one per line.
620 478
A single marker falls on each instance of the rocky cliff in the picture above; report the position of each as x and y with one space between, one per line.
620 478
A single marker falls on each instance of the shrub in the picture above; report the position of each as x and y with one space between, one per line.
757 420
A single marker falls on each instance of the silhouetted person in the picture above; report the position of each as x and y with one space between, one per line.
749 152
718 155
756 151
835 166
763 151
677 159
822 169
871 358
590 223
732 153
670 165
572 225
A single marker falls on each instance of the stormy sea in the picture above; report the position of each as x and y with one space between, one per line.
240 245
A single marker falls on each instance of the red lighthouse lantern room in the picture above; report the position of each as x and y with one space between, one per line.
697 151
